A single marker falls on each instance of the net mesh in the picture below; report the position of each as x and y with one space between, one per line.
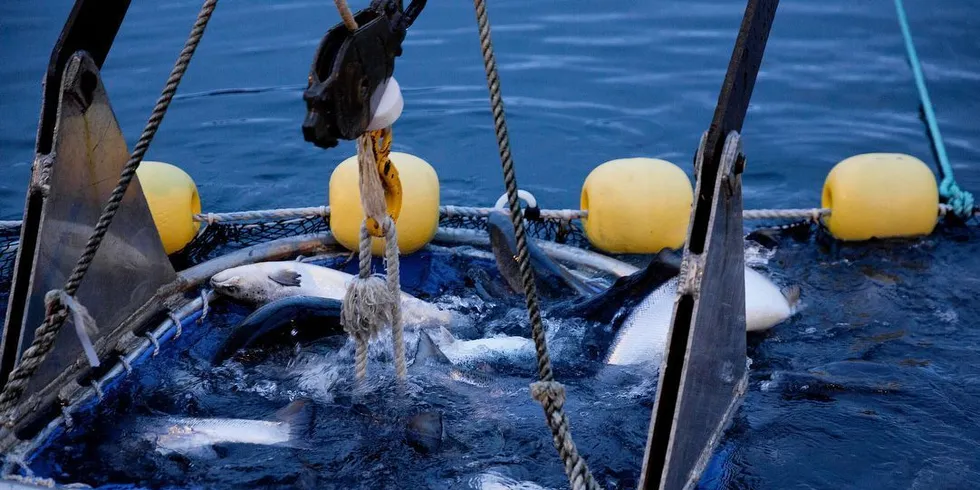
220 238
9 239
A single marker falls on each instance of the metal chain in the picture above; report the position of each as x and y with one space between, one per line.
547 391
45 335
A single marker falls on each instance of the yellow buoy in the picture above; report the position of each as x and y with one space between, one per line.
173 200
883 195
419 217
637 205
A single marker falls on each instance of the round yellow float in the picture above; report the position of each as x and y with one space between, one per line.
880 195
173 200
637 205
419 217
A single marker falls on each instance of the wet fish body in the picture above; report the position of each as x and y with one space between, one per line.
643 334
444 347
295 319
195 436
551 276
265 282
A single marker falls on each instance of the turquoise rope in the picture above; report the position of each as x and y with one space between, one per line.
960 201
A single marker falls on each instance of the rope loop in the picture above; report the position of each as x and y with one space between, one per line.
549 393
177 324
960 202
155 342
98 389
85 326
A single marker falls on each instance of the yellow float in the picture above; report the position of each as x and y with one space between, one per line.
637 205
173 200
880 195
418 219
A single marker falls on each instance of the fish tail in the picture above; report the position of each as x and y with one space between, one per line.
299 416
792 294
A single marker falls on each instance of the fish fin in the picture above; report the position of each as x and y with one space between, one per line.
446 336
427 349
580 286
300 416
313 317
548 272
286 277
628 290
792 294
425 431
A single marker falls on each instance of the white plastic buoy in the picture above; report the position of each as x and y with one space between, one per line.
389 107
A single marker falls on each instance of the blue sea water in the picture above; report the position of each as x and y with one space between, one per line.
875 384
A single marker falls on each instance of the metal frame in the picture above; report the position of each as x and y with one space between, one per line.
91 27
705 353
711 269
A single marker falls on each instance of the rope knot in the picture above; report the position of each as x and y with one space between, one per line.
960 202
57 300
366 308
549 394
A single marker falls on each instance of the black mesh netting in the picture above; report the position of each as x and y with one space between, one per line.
552 229
220 238
9 237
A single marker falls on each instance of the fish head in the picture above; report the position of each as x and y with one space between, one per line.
248 283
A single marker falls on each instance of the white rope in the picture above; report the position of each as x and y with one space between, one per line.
177 324
98 389
85 325
451 211
370 303
155 342
762 214
394 287
263 214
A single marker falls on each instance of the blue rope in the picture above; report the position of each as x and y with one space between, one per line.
960 201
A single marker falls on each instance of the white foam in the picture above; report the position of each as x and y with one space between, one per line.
495 481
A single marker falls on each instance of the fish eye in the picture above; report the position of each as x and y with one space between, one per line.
231 288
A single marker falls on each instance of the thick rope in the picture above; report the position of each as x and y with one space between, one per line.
346 15
548 392
394 287
265 214
46 334
369 303
366 307
762 214
959 200
451 211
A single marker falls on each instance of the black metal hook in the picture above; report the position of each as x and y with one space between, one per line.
348 68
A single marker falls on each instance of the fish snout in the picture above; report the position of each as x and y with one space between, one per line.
226 284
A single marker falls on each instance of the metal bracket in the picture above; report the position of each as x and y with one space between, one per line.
348 68
91 27
88 154
703 377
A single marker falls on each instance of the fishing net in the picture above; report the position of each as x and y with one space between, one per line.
222 237
9 239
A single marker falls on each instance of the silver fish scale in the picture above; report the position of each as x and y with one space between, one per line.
642 336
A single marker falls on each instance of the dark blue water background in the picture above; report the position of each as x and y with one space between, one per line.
875 384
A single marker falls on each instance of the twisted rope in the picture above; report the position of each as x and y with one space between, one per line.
960 201
547 390
265 214
45 335
812 214
395 289
369 303
346 15
451 211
